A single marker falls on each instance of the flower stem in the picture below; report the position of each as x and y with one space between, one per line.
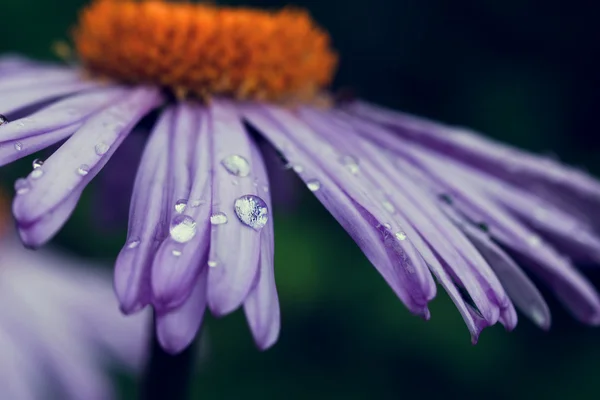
168 376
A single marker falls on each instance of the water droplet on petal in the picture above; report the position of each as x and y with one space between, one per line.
313 185
180 205
387 226
36 173
83 169
37 163
133 243
534 240
198 203
176 253
219 218
3 120
252 211
298 169
18 146
22 186
234 182
212 263
101 148
351 163
183 228
236 165
400 235
266 189
389 207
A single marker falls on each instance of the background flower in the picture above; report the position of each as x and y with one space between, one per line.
521 71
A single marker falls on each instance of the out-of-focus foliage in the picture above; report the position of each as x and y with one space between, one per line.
524 71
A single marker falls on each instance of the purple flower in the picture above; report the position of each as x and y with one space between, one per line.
422 200
60 328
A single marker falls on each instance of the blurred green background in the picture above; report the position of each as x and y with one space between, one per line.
524 71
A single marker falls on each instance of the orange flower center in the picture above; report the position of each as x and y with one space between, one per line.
206 50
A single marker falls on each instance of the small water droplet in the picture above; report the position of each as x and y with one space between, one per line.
298 168
400 235
234 182
133 243
198 203
3 120
236 165
22 186
180 205
387 226
212 263
313 185
389 207
83 169
183 228
176 253
538 317
266 189
252 211
219 218
36 173
101 148
534 240
18 146
37 163
351 163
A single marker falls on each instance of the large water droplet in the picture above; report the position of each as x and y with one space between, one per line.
212 263
18 146
236 165
3 120
83 169
101 148
313 185
219 218
133 243
37 163
400 235
22 186
183 228
252 211
36 173
351 163
180 205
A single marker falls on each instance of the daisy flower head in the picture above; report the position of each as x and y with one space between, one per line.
213 82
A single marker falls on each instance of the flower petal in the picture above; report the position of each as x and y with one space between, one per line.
231 279
262 304
178 328
178 262
392 263
75 163
148 220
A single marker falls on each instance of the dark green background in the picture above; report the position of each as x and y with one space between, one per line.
521 70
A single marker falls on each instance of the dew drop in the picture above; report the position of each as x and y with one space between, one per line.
219 218
133 243
387 226
22 186
212 263
389 207
37 163
234 182
266 189
252 211
313 185
101 148
400 235
180 205
183 228
176 253
198 203
36 173
83 169
3 120
236 165
351 163
18 146
298 168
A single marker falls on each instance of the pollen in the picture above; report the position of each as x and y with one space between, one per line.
204 50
